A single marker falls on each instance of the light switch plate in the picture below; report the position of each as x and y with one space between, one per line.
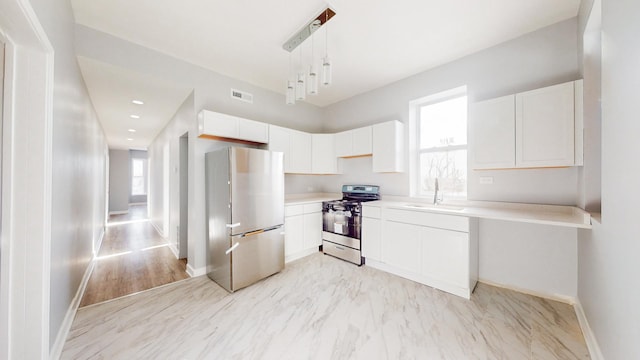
486 180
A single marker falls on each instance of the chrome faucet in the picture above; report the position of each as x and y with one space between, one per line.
435 195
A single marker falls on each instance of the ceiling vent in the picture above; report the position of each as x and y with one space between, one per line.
242 96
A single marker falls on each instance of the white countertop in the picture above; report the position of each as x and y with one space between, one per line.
569 216
300 199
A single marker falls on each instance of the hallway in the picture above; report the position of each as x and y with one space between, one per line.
133 257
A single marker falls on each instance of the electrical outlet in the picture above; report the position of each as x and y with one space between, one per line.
486 180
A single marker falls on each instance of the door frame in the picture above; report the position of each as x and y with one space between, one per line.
25 234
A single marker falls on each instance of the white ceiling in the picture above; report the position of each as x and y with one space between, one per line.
112 90
371 43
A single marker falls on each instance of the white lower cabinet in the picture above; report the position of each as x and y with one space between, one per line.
303 230
400 246
434 249
445 255
371 238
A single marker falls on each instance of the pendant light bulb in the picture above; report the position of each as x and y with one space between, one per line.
326 71
291 93
312 87
300 87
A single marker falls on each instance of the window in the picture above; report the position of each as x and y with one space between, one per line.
442 145
138 178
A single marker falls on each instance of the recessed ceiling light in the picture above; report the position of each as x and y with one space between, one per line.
130 139
134 116
132 130
138 102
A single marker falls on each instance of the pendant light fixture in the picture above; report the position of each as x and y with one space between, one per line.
326 62
291 90
301 89
307 77
312 86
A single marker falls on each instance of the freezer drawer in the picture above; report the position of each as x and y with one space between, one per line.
256 256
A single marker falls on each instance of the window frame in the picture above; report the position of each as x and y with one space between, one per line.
144 176
417 151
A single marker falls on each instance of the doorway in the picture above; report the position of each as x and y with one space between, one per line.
184 195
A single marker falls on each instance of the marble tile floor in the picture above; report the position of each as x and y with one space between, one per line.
323 308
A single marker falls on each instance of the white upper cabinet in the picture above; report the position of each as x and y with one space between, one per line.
388 147
214 124
533 129
362 141
323 156
343 143
356 142
279 141
545 127
492 133
300 152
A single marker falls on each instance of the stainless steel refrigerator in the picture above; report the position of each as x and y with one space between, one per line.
245 215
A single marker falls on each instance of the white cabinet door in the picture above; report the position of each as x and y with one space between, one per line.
293 234
300 152
362 139
279 141
253 131
218 124
344 143
445 256
401 246
312 230
388 147
372 238
323 156
492 134
545 127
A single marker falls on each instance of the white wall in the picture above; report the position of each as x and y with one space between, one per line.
118 181
608 255
78 166
181 122
538 258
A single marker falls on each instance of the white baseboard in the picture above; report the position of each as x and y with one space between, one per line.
158 229
196 272
174 250
58 345
589 336
99 244
571 300
123 212
300 254
138 203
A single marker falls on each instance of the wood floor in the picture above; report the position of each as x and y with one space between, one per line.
133 257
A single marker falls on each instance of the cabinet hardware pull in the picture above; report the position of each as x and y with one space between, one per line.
233 225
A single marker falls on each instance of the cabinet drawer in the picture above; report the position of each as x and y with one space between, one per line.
291 210
440 221
371 211
312 208
342 252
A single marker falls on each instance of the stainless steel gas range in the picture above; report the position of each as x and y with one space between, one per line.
342 221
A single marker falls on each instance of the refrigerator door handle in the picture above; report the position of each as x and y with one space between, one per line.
231 226
229 250
253 233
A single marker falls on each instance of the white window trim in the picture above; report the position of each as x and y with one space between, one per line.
414 134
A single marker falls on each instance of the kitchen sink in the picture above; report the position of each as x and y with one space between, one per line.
434 207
